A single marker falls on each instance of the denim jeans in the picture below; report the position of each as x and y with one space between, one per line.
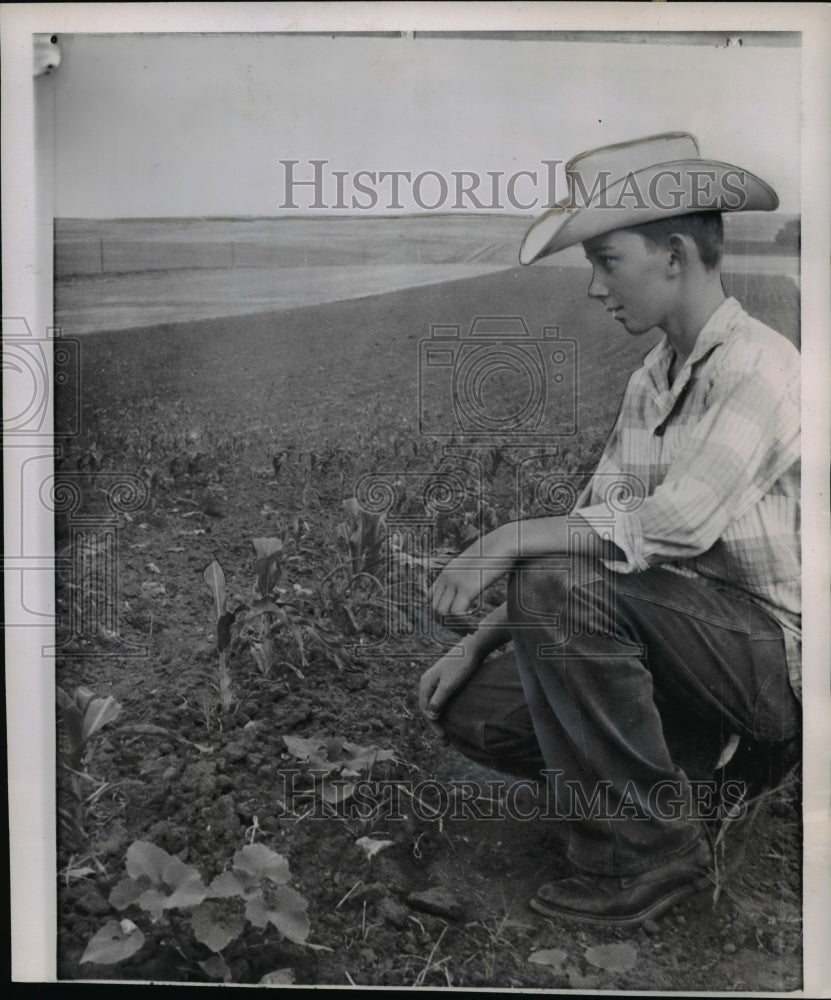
609 677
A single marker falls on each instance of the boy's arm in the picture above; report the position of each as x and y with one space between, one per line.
465 577
445 677
491 633
461 581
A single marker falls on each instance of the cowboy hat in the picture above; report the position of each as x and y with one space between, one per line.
623 185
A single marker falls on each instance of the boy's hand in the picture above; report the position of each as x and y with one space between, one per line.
441 681
466 576
455 589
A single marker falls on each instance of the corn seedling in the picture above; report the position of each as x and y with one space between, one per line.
268 570
254 890
365 536
83 715
270 614
269 609
214 577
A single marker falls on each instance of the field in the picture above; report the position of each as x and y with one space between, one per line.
119 274
201 436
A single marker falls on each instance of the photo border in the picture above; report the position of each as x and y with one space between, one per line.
27 291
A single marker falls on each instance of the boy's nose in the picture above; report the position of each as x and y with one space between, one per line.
596 289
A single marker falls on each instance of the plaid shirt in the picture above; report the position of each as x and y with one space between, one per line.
702 477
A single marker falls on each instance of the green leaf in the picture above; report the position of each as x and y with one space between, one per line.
267 565
113 943
215 579
616 957
223 630
83 696
147 861
298 638
289 916
280 977
553 957
366 538
98 713
335 790
144 858
258 862
188 887
153 901
126 892
216 968
264 547
214 926
64 701
303 749
363 758
261 606
256 911
263 653
370 846
225 886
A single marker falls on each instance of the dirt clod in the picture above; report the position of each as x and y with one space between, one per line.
393 912
91 902
438 902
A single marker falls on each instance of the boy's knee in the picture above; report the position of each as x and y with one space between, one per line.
538 589
535 588
504 741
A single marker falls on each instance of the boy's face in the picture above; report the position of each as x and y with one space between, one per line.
630 277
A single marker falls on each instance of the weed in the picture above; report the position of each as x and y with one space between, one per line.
333 764
254 890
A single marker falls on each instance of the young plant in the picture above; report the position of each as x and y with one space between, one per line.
334 764
365 536
347 588
253 891
278 614
83 715
269 610
268 569
214 577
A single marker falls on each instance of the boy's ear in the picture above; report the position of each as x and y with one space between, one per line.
679 252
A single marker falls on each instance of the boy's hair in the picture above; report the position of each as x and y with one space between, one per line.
706 229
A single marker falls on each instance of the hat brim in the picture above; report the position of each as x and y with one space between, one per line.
646 195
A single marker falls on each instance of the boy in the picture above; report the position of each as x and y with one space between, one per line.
683 572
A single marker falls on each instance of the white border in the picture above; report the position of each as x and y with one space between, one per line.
26 261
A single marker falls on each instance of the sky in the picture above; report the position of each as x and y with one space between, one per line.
197 124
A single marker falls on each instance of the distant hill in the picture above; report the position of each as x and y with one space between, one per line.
128 246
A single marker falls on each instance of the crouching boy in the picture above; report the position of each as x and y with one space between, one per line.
672 590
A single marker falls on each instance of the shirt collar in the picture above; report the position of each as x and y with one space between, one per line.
715 331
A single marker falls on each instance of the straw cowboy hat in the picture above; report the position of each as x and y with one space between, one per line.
614 187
